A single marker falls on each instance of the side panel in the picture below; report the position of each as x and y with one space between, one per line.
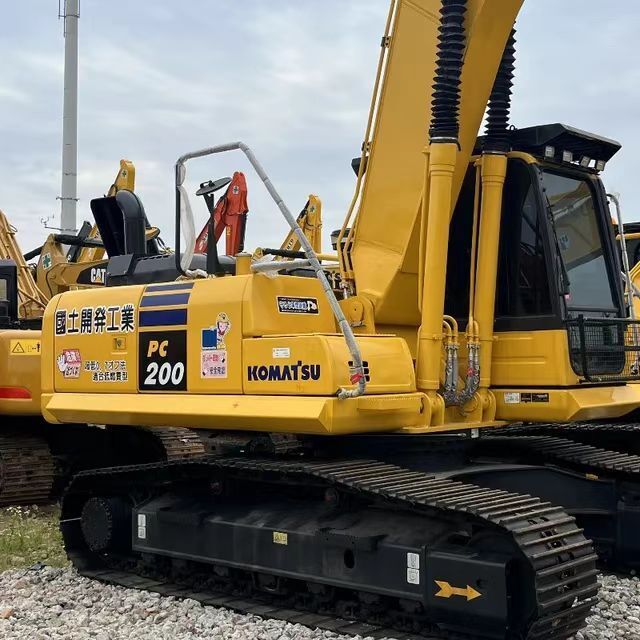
94 338
285 304
20 358
215 334
531 359
319 365
174 337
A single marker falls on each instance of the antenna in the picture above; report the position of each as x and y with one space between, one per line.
69 195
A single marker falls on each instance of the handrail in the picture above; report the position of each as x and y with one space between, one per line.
357 369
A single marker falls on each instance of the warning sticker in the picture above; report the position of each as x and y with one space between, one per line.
280 538
69 363
214 363
25 347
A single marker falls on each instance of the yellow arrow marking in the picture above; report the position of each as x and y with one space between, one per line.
447 591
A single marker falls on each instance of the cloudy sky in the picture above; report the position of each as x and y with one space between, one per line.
292 78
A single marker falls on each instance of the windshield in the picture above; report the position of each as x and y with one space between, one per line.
579 242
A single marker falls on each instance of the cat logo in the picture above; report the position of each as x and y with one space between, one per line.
98 275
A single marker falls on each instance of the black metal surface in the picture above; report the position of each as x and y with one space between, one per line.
105 523
9 301
621 435
122 222
601 488
126 270
550 578
604 349
564 138
211 186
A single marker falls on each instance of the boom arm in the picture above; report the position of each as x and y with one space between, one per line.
385 266
31 301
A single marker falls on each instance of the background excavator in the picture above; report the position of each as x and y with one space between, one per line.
366 468
35 461
63 261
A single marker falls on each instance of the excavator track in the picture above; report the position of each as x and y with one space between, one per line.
578 456
178 443
32 473
599 486
555 566
27 470
620 435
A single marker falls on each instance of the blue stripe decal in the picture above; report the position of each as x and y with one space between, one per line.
168 318
178 286
166 300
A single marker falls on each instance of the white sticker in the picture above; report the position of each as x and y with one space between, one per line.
512 397
142 533
413 560
142 520
281 352
213 363
413 576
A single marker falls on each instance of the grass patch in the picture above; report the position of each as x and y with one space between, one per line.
29 535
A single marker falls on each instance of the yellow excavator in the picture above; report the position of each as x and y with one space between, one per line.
365 468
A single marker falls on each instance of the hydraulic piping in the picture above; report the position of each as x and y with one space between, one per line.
443 152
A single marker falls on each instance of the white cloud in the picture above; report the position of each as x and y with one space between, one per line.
291 78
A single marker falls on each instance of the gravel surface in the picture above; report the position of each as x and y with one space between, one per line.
56 604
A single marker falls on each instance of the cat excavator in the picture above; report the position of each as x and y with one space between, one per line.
366 471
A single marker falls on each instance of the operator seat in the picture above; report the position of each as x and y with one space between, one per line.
134 259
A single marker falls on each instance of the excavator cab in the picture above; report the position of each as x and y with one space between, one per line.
560 313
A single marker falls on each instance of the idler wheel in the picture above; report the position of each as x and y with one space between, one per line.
106 523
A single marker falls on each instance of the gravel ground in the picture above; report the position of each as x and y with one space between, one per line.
56 604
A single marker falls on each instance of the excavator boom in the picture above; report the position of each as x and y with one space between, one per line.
31 300
385 266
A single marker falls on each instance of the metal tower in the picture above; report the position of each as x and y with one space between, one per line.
69 195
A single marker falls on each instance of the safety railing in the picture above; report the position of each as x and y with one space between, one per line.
184 213
604 349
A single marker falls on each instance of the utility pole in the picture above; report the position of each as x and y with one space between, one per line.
69 195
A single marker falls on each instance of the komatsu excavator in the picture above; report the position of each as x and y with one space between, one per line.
364 473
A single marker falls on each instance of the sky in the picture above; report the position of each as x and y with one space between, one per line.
291 78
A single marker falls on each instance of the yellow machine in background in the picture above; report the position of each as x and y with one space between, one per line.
31 301
34 459
60 268
359 462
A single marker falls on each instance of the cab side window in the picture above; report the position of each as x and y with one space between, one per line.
523 282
